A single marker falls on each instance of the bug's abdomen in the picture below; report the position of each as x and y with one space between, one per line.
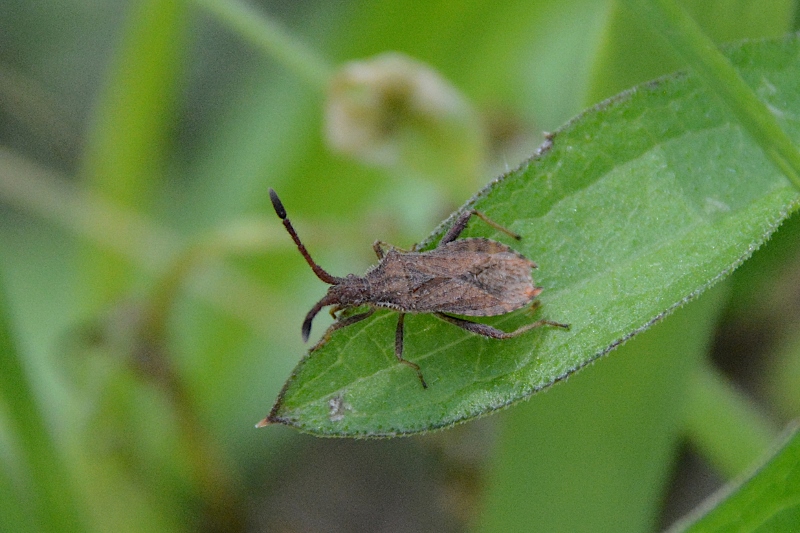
471 277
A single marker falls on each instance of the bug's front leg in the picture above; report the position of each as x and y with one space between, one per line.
398 349
349 321
494 333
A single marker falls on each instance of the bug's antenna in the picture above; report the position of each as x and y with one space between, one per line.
318 270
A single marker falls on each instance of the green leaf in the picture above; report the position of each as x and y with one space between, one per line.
699 52
632 52
768 500
630 210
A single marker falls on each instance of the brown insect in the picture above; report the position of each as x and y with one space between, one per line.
470 277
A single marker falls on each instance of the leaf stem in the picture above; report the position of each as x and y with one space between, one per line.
723 424
702 55
267 35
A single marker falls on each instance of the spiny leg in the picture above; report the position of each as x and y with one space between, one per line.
378 247
381 246
461 223
494 333
398 349
349 321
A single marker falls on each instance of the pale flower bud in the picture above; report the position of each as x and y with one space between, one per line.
391 110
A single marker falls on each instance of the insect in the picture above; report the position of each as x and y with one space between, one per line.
468 277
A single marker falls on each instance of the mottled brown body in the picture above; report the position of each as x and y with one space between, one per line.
469 277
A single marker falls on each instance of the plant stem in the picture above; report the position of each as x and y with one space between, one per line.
702 55
270 37
723 424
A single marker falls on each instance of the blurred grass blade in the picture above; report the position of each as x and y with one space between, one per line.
767 501
631 52
42 482
268 36
133 123
635 207
724 424
713 67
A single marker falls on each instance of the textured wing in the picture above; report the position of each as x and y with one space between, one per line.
471 277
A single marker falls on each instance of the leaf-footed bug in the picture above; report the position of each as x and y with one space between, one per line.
469 277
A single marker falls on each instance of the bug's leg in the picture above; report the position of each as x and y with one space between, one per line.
461 223
457 227
497 226
535 305
333 310
494 333
380 248
349 321
398 349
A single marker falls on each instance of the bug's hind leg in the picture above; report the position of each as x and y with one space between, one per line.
461 223
494 333
398 349
535 305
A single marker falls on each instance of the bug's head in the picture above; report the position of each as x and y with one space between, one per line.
347 292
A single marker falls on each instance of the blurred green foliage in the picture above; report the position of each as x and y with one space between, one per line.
152 304
767 499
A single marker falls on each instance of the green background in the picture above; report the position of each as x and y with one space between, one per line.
151 302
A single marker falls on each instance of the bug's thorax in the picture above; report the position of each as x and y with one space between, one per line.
351 291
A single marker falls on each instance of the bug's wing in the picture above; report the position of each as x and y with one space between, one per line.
471 277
